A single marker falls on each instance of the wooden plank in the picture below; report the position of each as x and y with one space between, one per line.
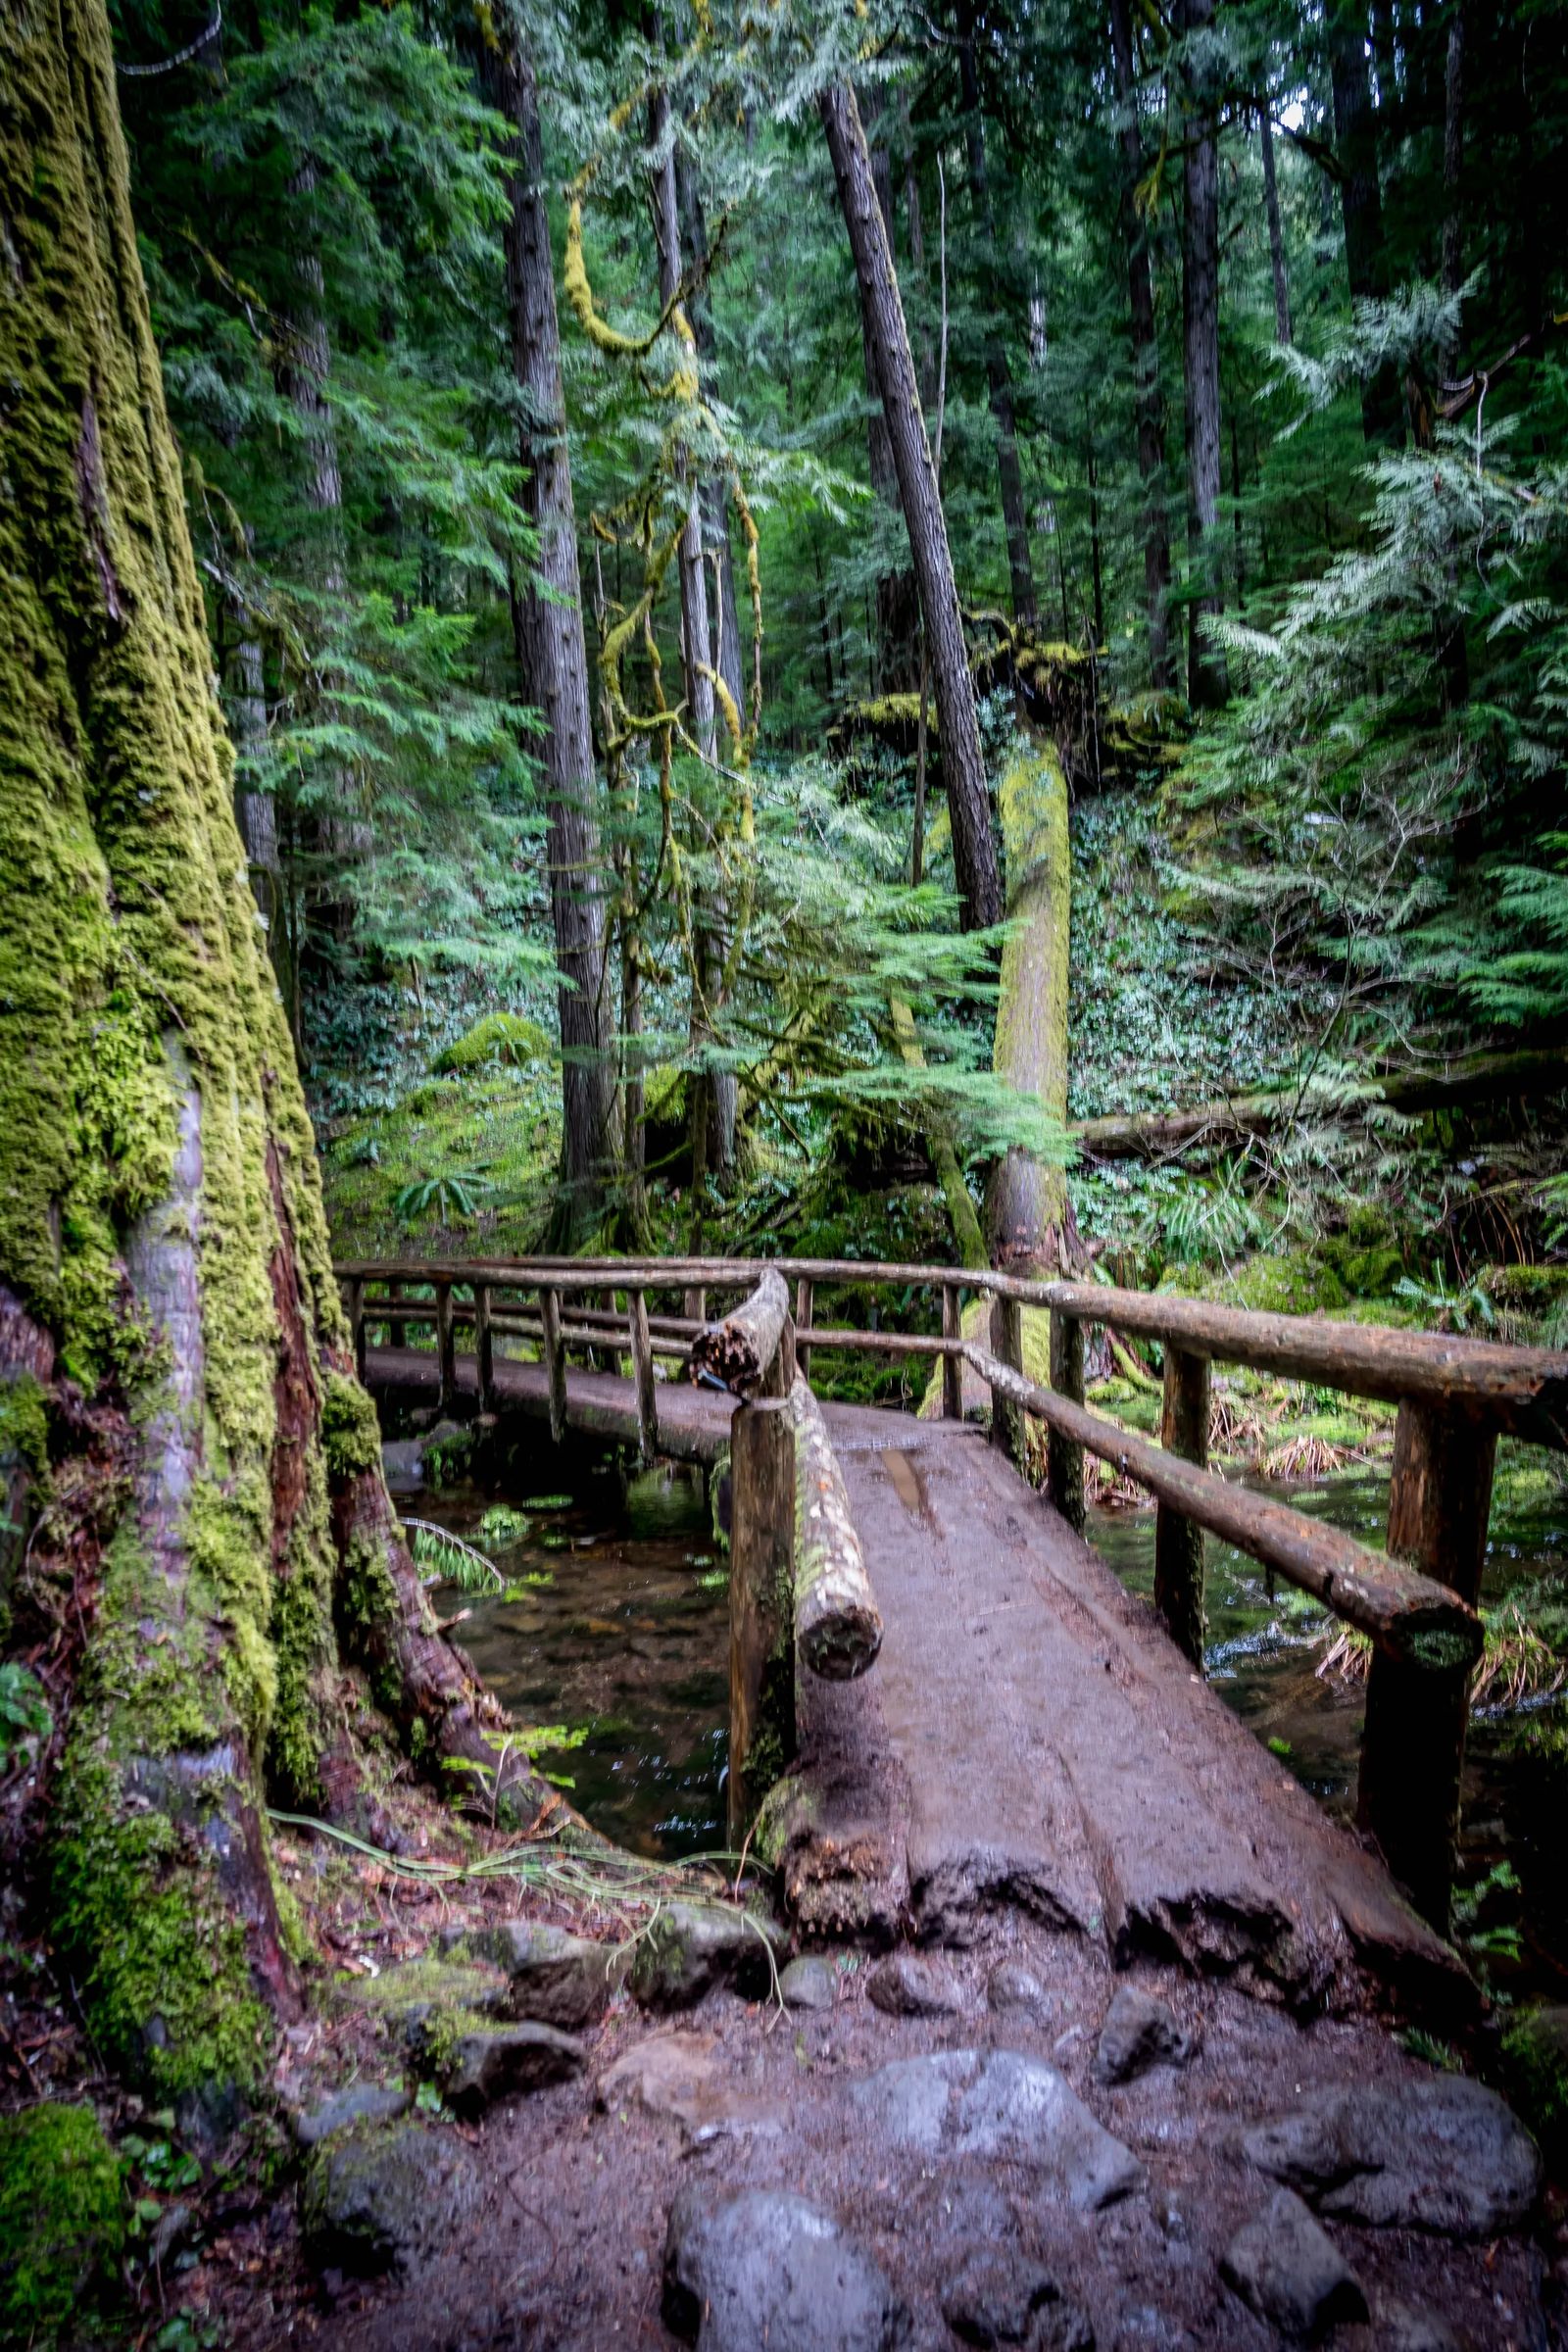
642 1358
761 1612
1178 1540
1412 1744
555 1361
952 1361
805 1294
838 1627
1405 1612
1066 1460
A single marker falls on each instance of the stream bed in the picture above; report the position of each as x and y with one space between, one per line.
613 1630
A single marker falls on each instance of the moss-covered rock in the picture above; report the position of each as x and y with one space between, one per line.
506 1038
62 2219
376 2199
1536 2057
689 1948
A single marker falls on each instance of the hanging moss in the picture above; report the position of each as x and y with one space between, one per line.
62 2219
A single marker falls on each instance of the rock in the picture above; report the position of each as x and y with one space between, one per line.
1003 2106
1288 2269
360 2103
905 1985
996 2297
1014 1990
691 1947
1060 2328
761 2266
554 1978
377 2199
177 2224
1139 2033
498 2062
1407 2328
403 1464
1443 2153
809 1983
678 2078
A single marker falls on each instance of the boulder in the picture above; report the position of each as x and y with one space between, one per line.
905 1985
1285 2265
997 2296
689 1948
360 2103
384 2199
1000 2106
553 1978
1440 2153
809 1983
761 2267
679 2077
1139 2033
501 2062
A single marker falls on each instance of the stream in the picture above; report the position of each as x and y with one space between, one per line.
613 1630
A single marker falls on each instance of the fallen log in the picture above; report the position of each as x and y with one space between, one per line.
740 1353
838 1626
1408 1616
1487 1077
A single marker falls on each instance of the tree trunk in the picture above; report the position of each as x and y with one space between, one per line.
1148 402
1010 478
974 854
220 1535
1276 238
898 605
1454 160
552 662
724 638
1029 1219
1206 683
1361 199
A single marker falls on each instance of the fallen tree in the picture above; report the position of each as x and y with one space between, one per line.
215 1591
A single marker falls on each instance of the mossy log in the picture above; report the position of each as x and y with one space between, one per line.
838 1626
741 1354
220 1542
1028 1215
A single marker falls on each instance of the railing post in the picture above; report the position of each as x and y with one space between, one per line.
397 1331
694 1306
446 1345
356 1313
805 1304
951 1365
1007 1341
1178 1541
1065 1460
642 1359
484 1347
762 1606
1412 1744
555 1361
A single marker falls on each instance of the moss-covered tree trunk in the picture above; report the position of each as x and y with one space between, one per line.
1028 1215
216 1539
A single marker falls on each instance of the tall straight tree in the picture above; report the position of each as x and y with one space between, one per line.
1207 684
998 378
1276 233
219 1536
974 854
897 603
1362 197
1149 401
553 659
724 639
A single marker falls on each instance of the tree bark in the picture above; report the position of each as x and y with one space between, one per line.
1361 199
898 605
552 662
1206 682
162 1235
1454 158
974 854
1010 478
1276 237
1149 401
724 634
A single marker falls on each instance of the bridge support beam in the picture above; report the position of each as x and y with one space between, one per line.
762 1606
1412 1745
642 1363
1178 1540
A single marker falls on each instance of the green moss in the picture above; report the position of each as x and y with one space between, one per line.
1535 2052
500 1037
1298 1283
62 2219
351 1434
25 1424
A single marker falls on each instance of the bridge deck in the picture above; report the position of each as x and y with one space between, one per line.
1029 1736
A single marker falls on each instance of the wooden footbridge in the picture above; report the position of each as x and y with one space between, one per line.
942 1699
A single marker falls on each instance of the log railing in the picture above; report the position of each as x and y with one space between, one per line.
1416 1603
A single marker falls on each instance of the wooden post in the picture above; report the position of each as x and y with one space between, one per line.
762 1606
1179 1541
642 1358
1412 1745
1065 1460
694 1306
1007 1341
805 1302
397 1331
356 1305
555 1361
484 1348
446 1346
951 1365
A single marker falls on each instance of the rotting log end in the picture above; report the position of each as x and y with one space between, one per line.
838 1626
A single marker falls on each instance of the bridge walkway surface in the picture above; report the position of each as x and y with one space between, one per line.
1093 2041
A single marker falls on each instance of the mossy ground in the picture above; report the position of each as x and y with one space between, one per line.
62 2219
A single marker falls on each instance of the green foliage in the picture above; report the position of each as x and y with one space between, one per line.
446 1560
24 1717
453 1194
